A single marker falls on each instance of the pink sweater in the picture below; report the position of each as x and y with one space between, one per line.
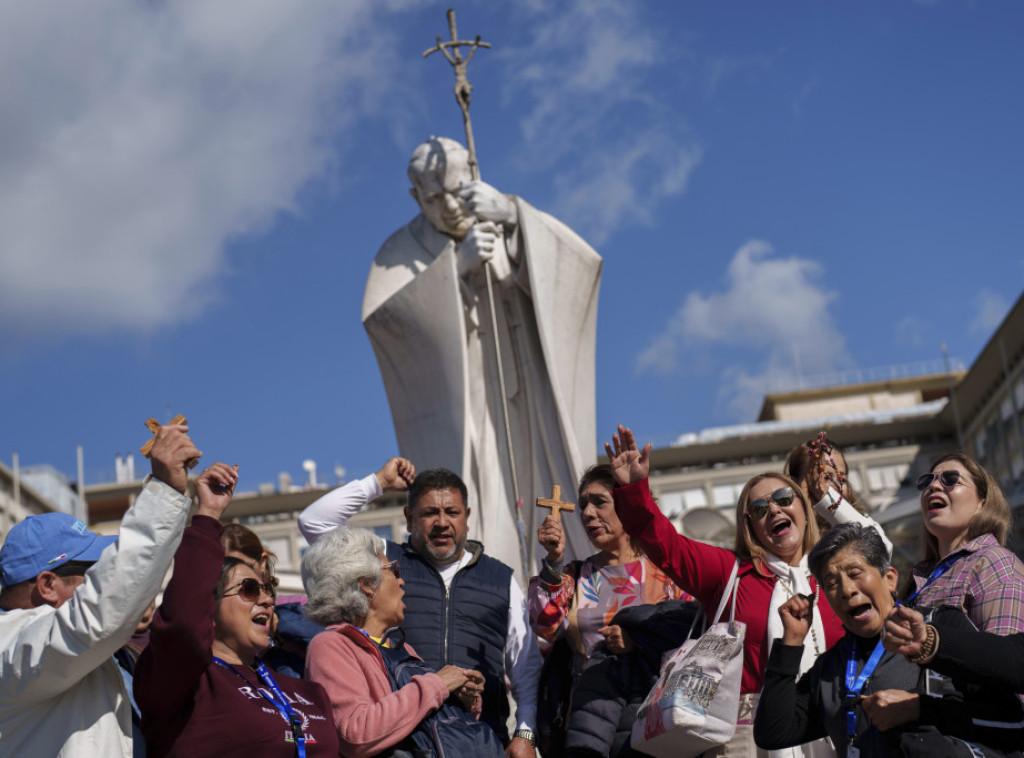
370 718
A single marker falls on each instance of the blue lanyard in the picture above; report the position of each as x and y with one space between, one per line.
941 569
855 683
278 700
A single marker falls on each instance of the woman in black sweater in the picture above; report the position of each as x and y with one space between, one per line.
868 700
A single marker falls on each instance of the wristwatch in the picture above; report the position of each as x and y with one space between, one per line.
526 734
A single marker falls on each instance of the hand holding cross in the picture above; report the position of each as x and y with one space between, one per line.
154 426
550 534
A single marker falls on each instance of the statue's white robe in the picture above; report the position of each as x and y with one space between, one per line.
432 335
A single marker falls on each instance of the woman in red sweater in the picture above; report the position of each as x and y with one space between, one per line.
775 531
200 684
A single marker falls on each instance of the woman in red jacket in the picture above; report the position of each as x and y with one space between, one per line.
775 530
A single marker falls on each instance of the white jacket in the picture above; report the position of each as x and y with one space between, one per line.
61 693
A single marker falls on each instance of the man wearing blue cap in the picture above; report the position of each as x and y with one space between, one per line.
70 599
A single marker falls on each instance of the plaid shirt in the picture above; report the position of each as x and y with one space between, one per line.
986 581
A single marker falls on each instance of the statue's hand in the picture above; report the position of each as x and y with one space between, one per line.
476 248
487 204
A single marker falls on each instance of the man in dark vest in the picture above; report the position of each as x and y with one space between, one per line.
462 606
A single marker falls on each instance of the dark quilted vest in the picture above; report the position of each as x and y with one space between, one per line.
467 628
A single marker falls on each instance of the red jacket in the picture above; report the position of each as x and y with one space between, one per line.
703 571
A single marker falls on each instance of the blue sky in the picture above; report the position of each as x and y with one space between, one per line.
191 195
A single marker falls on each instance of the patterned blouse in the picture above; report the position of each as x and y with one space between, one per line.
586 597
986 582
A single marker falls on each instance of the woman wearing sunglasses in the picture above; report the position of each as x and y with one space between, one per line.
966 563
200 684
383 697
775 531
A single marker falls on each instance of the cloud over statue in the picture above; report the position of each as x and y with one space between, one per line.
474 270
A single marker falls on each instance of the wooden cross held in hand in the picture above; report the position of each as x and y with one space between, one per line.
154 426
553 502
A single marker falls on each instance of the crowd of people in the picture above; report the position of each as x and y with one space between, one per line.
416 649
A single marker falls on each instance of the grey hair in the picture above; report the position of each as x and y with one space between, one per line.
865 540
331 570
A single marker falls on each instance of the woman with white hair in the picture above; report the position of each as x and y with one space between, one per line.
383 697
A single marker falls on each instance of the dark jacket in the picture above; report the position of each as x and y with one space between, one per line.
977 657
465 625
791 711
611 688
294 632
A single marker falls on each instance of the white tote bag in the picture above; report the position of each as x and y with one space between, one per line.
694 704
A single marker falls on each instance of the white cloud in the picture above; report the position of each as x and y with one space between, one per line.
990 308
147 135
591 117
803 94
773 309
911 331
722 68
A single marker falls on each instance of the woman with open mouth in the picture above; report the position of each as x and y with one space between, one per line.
578 601
200 684
869 701
775 531
966 563
385 700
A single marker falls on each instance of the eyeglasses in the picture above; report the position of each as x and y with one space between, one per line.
948 479
249 590
782 497
393 568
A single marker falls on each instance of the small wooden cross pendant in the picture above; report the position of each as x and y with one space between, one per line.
553 502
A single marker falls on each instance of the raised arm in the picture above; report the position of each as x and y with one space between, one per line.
630 464
339 505
181 636
59 646
698 568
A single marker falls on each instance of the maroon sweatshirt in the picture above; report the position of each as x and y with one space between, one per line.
193 707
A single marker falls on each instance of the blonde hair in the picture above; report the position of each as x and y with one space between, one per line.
747 546
994 517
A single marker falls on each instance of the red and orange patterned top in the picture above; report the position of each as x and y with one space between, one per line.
588 597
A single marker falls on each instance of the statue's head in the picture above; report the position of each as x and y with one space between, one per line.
438 169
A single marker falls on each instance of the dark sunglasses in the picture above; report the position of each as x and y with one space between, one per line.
393 568
947 479
782 497
249 590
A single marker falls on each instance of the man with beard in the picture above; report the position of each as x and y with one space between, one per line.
462 607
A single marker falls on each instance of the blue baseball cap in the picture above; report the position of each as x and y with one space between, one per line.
44 542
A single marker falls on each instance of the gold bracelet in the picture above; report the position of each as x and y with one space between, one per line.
929 647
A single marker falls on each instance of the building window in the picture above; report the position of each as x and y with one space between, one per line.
695 498
886 477
726 494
